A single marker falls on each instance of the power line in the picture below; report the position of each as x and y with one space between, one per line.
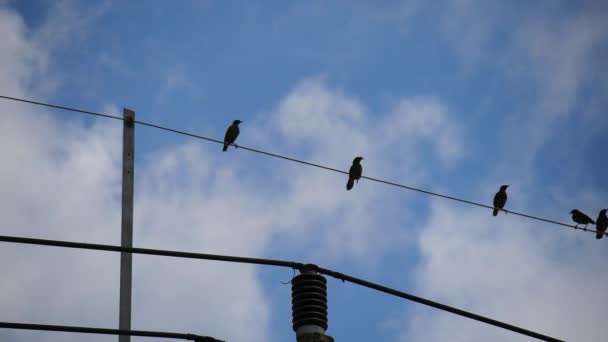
279 263
61 107
149 251
102 331
305 163
436 305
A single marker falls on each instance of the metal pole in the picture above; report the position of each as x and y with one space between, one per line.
126 259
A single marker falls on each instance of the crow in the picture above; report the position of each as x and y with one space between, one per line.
601 224
354 173
581 218
231 134
500 199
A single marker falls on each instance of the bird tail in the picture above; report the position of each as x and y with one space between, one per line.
599 235
225 147
495 212
350 183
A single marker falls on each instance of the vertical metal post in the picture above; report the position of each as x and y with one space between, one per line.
126 259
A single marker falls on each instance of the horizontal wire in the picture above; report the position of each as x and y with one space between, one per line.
307 163
103 331
149 251
278 263
62 107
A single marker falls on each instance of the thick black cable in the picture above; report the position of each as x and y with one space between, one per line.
303 162
150 251
278 263
103 331
436 305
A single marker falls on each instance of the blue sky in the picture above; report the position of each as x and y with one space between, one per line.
455 96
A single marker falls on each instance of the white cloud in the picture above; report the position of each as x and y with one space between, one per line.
426 119
176 79
62 181
20 58
511 269
508 268
549 51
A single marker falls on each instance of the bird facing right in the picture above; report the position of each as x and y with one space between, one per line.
500 199
580 218
601 224
355 172
231 134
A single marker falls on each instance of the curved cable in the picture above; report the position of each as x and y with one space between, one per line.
280 263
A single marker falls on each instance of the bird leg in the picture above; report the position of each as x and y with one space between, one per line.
235 145
576 226
506 211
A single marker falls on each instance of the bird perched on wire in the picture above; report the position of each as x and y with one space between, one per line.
354 173
500 199
231 134
601 224
581 218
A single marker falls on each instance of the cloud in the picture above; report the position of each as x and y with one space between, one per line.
63 182
188 197
176 79
510 269
330 127
548 53
20 58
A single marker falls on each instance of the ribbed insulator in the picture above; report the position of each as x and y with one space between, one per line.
309 300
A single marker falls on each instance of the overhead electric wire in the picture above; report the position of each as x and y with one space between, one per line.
103 331
149 251
61 107
303 162
436 305
279 263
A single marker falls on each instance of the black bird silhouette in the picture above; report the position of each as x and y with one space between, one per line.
500 199
601 224
354 173
231 134
581 218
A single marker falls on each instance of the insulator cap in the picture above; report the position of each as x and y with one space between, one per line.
309 300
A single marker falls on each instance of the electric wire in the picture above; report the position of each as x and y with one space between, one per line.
103 331
274 155
279 263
